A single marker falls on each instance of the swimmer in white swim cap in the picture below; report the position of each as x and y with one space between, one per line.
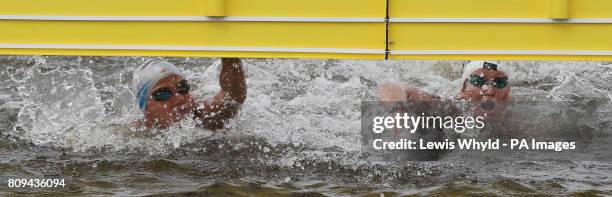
483 97
163 95
484 85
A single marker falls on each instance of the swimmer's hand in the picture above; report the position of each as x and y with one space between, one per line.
227 102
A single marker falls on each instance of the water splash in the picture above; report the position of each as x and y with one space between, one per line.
312 103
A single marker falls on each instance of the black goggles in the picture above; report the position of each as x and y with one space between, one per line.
164 94
479 81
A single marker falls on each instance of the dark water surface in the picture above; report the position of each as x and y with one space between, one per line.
244 172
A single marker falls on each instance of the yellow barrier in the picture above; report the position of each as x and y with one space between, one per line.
501 29
414 29
251 28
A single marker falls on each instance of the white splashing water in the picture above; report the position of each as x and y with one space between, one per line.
314 103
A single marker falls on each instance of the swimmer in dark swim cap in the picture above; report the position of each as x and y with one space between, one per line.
163 95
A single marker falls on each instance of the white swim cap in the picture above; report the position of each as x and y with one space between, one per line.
147 75
474 65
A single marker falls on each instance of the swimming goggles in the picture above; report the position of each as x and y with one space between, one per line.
164 94
479 81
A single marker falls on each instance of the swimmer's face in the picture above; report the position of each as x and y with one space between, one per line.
486 86
171 107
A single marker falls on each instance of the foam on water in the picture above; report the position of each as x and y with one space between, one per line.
301 102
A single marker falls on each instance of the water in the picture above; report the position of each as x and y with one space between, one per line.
297 134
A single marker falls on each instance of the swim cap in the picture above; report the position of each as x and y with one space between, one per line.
147 75
472 66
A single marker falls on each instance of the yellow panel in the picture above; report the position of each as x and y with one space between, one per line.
462 37
591 8
245 34
240 34
336 35
103 7
504 57
500 36
494 8
308 8
468 8
277 8
187 54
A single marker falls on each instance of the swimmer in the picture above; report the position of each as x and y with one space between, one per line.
486 88
163 95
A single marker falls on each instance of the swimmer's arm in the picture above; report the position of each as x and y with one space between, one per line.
395 91
232 81
227 102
